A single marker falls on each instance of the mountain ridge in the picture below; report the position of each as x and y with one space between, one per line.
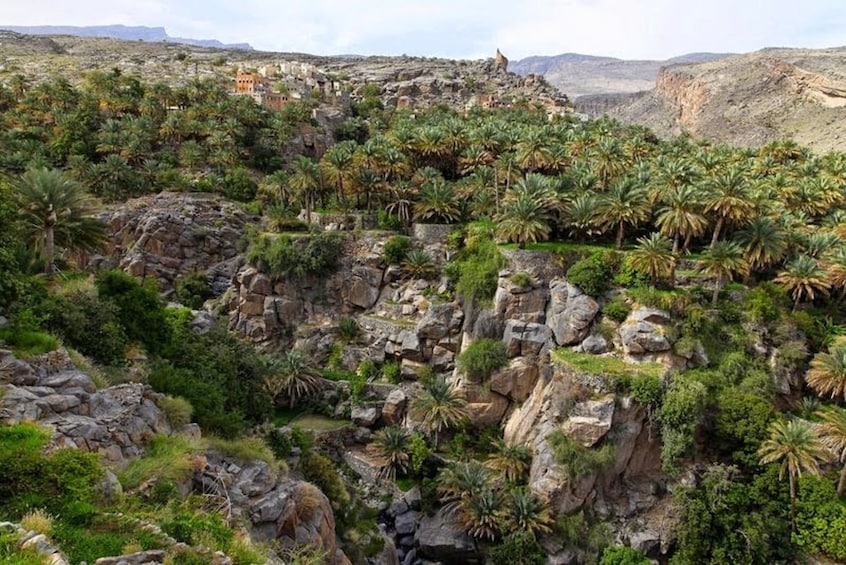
119 31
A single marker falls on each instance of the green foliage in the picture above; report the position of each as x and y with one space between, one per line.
141 310
617 310
194 528
284 257
395 249
647 390
321 471
476 269
418 264
612 367
682 410
178 410
348 329
392 372
418 451
521 279
28 343
520 548
622 555
12 554
578 460
168 459
821 519
765 302
594 273
481 358
193 289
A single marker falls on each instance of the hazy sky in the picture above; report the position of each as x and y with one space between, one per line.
467 28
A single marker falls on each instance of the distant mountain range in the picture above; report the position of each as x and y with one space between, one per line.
580 75
133 33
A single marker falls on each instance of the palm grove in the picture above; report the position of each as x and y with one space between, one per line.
672 223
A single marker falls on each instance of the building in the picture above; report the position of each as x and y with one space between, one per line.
260 89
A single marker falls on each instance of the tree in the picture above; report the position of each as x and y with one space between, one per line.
479 514
438 407
653 257
764 242
794 445
827 375
722 262
437 203
728 198
306 181
804 278
57 213
391 444
681 216
832 433
291 377
523 220
625 203
524 512
510 460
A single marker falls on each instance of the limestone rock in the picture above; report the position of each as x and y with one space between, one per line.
591 421
365 285
394 408
525 303
517 380
594 344
365 415
643 337
570 312
440 320
440 538
526 338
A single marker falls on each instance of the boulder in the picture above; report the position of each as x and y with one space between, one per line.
440 538
643 337
440 321
594 344
394 408
525 303
365 285
365 415
570 312
590 421
651 315
526 338
517 380
410 347
489 412
406 523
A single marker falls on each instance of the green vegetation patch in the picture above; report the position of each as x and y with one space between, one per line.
606 365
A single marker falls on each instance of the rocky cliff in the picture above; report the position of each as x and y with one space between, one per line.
750 99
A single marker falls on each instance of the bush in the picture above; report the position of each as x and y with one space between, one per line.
821 518
395 249
578 460
617 310
28 343
482 358
193 289
392 372
683 408
283 257
348 329
594 273
476 271
418 264
647 390
621 555
177 410
520 548
520 279
320 470
388 221
140 308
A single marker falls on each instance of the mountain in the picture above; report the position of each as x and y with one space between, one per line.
579 75
134 33
748 99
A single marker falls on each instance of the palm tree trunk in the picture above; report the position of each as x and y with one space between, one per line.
50 242
675 260
620 235
687 239
718 284
496 189
796 302
717 229
841 484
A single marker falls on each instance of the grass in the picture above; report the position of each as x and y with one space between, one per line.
405 484
318 423
27 344
608 366
168 458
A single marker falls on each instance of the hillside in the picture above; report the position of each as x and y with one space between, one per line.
129 33
750 99
580 75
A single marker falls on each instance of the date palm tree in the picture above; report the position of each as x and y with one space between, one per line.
391 444
437 203
461 480
291 377
57 213
438 408
832 433
827 375
525 512
764 242
681 215
627 203
480 514
306 181
510 460
797 449
654 257
721 263
803 277
728 198
523 220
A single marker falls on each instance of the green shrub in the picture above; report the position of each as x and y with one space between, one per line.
388 221
395 249
593 274
617 310
682 410
821 519
419 265
481 358
193 289
321 471
476 270
741 425
194 528
140 308
392 372
28 343
521 279
177 410
622 555
520 548
647 390
578 460
348 329
283 257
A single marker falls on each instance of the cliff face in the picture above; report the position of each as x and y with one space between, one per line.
749 99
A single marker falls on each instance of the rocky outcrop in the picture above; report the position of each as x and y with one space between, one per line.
173 233
644 333
438 537
570 313
116 422
526 338
526 303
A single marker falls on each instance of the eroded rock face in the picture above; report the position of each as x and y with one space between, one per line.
643 332
570 313
517 380
172 233
526 338
525 303
439 537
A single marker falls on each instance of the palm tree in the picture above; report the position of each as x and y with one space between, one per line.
653 257
291 377
391 444
437 203
480 515
306 181
728 198
525 512
625 203
337 164
510 460
461 480
681 216
827 375
764 241
794 445
57 212
722 262
523 220
438 407
832 433
804 278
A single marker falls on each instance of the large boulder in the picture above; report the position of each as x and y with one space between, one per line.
365 284
526 338
440 320
520 302
639 338
570 312
517 380
590 421
439 537
394 408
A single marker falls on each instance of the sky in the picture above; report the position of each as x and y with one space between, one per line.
467 29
